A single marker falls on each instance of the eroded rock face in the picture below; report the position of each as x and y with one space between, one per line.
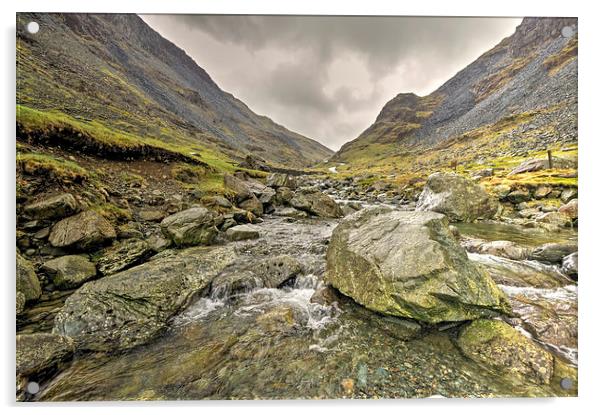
69 271
54 207
498 346
123 255
41 351
408 264
129 308
83 231
27 281
457 197
194 226
316 203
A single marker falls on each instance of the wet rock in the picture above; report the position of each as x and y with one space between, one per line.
570 265
40 353
529 213
568 194
151 215
554 218
316 203
540 164
278 319
377 256
549 315
291 212
83 231
324 295
505 249
571 209
498 346
277 180
123 255
131 307
69 271
457 197
553 253
27 281
194 226
55 207
267 195
271 272
241 232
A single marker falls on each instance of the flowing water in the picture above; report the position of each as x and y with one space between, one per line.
273 343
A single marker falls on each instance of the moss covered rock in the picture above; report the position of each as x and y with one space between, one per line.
131 307
69 271
408 264
498 346
27 281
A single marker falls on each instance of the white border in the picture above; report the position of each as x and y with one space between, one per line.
590 129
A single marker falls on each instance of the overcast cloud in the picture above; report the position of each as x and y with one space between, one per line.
328 77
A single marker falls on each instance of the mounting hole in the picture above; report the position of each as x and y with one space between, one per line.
33 27
33 387
566 383
567 31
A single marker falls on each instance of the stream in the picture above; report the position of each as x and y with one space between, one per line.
273 343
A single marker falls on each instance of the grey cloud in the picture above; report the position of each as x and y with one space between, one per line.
282 66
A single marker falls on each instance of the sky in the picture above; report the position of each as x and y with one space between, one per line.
328 77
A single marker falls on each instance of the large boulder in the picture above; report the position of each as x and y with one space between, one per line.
54 207
69 271
131 307
501 348
408 264
316 203
457 197
194 226
83 231
27 281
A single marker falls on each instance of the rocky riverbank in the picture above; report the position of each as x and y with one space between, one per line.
288 286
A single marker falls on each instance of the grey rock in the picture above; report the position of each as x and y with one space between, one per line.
83 231
131 307
27 281
570 265
377 255
69 271
123 255
553 253
457 197
241 232
277 180
316 203
193 226
54 207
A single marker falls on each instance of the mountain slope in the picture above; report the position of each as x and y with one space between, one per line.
519 96
116 74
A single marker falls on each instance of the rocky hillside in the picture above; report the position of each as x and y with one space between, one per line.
116 84
519 96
